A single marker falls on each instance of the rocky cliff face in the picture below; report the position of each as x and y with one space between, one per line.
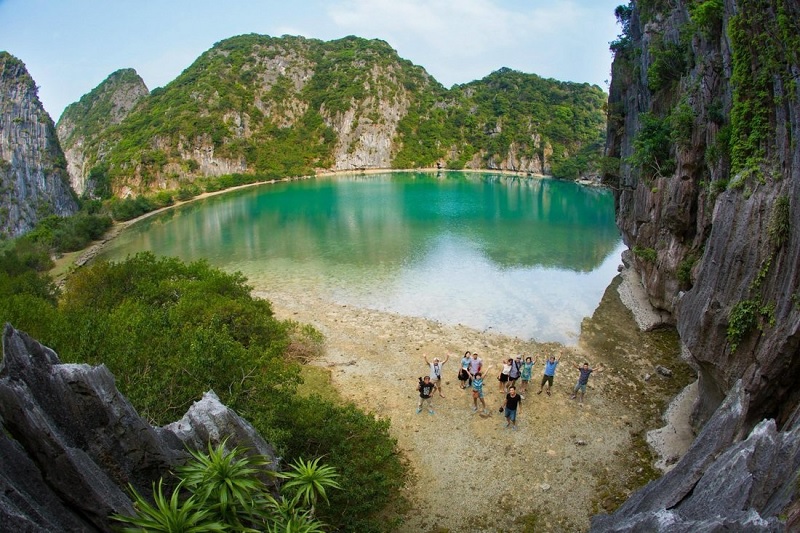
703 116
291 106
33 178
82 122
70 443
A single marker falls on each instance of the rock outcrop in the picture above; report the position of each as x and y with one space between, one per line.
703 116
291 106
70 443
33 176
84 121
723 483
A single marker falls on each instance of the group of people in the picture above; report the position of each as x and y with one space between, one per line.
471 375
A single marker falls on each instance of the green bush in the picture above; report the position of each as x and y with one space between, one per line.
652 147
780 228
669 64
648 254
684 271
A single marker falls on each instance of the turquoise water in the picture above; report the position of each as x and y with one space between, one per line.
522 256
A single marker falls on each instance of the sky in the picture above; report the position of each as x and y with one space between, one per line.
71 46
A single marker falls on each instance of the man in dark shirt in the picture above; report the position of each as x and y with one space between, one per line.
510 407
425 388
583 379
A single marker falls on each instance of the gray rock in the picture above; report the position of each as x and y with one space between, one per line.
70 443
33 179
723 483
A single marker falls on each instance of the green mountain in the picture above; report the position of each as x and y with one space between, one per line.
288 106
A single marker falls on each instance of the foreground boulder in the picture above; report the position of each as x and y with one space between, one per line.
70 443
723 483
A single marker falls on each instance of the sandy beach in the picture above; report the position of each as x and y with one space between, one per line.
470 473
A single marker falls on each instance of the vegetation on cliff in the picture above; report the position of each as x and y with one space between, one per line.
170 331
287 106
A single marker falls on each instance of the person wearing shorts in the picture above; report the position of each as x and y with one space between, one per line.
477 392
549 373
583 379
511 406
436 371
425 388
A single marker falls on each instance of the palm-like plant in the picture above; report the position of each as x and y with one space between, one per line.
308 481
227 482
228 495
169 515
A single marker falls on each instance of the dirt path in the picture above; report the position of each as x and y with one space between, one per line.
469 472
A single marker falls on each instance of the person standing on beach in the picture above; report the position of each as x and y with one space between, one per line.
549 372
425 388
436 371
504 373
463 372
511 406
475 365
477 392
583 379
525 373
514 373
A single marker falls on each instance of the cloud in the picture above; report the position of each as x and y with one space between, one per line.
459 41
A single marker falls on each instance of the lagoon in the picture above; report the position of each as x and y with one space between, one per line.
522 256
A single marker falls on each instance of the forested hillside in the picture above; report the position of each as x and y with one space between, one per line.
288 106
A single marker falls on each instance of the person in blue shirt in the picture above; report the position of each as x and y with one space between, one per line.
549 372
463 372
477 392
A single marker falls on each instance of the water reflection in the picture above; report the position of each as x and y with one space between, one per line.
528 257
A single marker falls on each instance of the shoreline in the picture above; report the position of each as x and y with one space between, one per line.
373 359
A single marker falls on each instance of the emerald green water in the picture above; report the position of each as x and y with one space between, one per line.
522 256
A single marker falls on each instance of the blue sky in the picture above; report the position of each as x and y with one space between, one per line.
70 46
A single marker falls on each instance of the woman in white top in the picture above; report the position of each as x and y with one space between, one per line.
436 371
504 374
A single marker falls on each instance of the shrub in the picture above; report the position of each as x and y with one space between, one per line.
648 254
227 493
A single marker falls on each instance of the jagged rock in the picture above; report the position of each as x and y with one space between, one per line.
704 248
664 371
209 420
33 178
70 443
722 483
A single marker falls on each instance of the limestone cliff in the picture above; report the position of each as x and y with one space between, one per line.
33 177
704 114
70 443
289 106
82 122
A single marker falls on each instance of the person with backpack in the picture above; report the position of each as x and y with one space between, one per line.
514 373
